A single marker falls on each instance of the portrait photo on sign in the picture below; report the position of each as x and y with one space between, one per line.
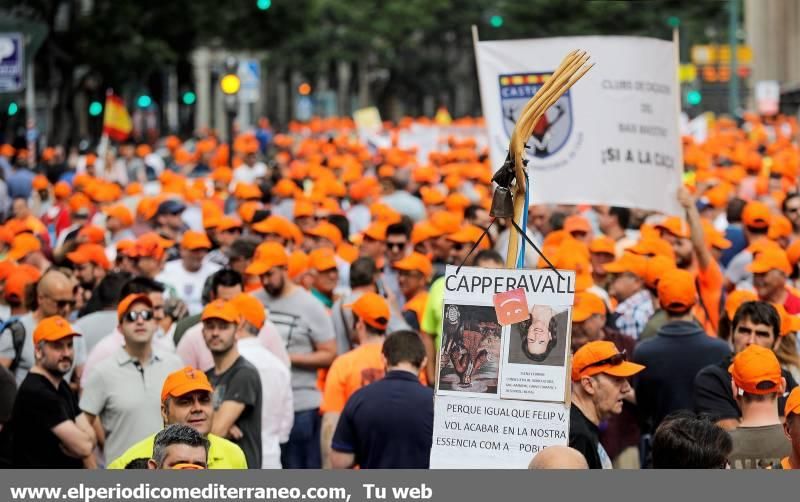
470 352
541 338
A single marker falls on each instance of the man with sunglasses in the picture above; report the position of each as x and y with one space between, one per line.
599 387
123 390
55 295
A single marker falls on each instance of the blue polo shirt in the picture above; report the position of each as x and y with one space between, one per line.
388 424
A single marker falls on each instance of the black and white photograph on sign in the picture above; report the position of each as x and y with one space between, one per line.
470 354
535 355
541 339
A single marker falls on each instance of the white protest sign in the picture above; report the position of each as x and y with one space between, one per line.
612 139
505 346
768 96
498 434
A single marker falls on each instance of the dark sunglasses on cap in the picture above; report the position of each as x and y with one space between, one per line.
615 360
133 316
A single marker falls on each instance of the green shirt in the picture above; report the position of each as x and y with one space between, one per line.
432 316
222 454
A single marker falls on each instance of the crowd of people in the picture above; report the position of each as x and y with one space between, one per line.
280 305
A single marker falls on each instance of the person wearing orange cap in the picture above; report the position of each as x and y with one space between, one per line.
186 399
226 232
119 220
326 276
398 238
602 250
771 269
49 429
238 399
91 265
600 385
374 243
187 275
308 332
150 254
122 391
756 220
754 323
356 368
179 447
462 242
791 427
277 410
758 441
579 228
414 272
680 349
627 287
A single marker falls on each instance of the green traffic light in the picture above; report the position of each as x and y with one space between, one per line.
189 98
95 108
694 97
674 21
144 101
496 21
13 108
263 4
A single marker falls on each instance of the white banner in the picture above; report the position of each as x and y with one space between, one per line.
613 139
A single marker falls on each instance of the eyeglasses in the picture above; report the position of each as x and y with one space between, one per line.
615 360
62 304
132 316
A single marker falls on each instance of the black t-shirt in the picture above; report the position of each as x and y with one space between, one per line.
388 424
584 436
713 396
241 383
38 408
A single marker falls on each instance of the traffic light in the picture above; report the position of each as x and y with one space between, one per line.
304 89
694 97
144 101
673 21
13 108
263 4
95 108
496 21
189 98
230 82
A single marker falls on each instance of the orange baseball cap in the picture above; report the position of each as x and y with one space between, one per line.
52 329
735 300
152 245
90 253
789 323
16 282
372 309
675 226
127 303
285 188
792 403
446 222
93 234
185 380
756 370
457 202
586 305
416 262
40 182
322 259
23 245
195 240
432 196
325 230
267 256
250 308
714 237
468 234
770 259
376 231
299 262
577 223
62 190
120 212
604 245
656 267
303 208
793 252
756 215
423 231
126 247
220 309
228 223
628 262
602 357
676 290
779 226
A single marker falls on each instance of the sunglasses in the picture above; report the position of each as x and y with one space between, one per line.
615 360
396 245
144 315
62 304
458 246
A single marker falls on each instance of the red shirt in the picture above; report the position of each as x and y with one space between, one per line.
792 303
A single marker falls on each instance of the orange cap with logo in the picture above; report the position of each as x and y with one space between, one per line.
602 357
770 259
52 329
372 309
416 262
676 290
267 256
185 380
735 300
792 403
193 240
756 370
586 305
250 309
628 262
90 253
220 309
756 215
127 303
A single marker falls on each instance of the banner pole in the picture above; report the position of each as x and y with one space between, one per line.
676 39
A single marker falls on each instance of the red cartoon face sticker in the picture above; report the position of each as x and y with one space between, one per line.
511 307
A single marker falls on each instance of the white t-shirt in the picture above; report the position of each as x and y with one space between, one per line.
249 174
187 285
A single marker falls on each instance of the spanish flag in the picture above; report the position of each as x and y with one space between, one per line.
116 121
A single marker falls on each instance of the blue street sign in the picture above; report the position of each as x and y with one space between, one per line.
12 62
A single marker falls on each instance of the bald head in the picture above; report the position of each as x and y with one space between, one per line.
558 457
55 294
53 282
